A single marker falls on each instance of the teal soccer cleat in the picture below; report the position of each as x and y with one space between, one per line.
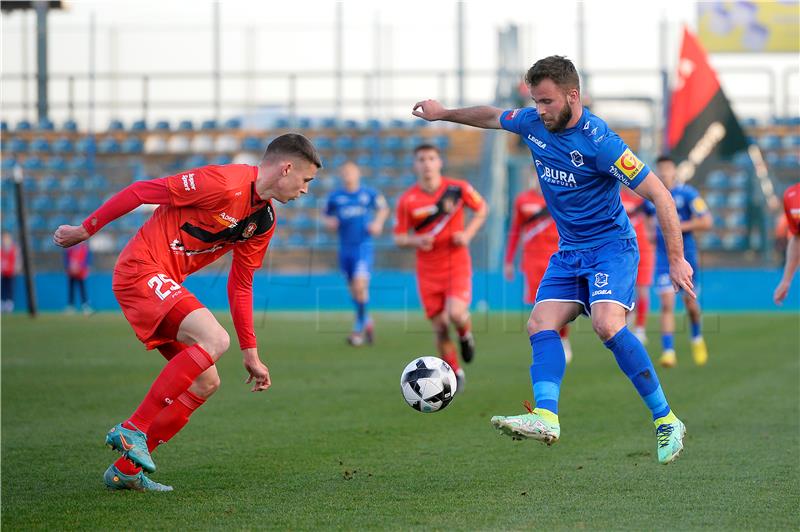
116 480
669 434
132 444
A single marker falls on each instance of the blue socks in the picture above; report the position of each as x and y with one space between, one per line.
667 342
547 369
633 360
361 315
696 333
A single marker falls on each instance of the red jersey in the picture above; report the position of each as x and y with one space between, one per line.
440 214
791 207
635 207
76 261
532 224
213 210
8 260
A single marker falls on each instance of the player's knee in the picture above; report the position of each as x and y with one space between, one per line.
206 385
536 324
606 329
216 343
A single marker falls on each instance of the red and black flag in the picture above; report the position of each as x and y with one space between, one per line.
702 126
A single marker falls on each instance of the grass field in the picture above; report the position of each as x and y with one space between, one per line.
333 445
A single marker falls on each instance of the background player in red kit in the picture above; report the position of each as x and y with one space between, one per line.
532 224
433 209
636 207
203 214
791 209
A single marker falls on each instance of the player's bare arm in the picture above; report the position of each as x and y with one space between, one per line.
463 238
483 116
375 227
423 242
704 222
331 222
680 271
792 264
70 235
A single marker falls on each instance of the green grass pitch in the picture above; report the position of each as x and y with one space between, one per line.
333 445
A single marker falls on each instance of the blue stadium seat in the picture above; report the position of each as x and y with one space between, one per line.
374 124
33 163
209 125
282 123
63 145
323 143
739 180
364 160
98 182
419 122
772 158
41 203
337 160
39 145
396 123
222 159
162 125
735 220
3 126
734 242
329 122
59 218
85 145
116 125
132 144
252 143
72 183
56 163
8 163
9 222
78 163
70 125
139 126
790 160
17 145
791 141
717 179
737 200
45 124
392 142
407 160
87 203
715 200
36 222
48 183
387 160
441 141
195 161
29 184
233 123
769 142
23 125
408 179
412 141
344 143
710 241
304 122
748 122
109 145
185 125
368 142
296 240
64 203
351 124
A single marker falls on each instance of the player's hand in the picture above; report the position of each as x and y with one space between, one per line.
508 272
374 228
680 273
429 110
424 242
460 238
259 374
331 223
69 235
781 291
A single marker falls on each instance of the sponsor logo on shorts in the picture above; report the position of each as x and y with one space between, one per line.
600 279
629 164
542 145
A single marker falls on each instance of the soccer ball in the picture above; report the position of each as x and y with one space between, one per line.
428 384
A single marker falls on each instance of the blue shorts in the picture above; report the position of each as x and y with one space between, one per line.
606 273
663 282
356 261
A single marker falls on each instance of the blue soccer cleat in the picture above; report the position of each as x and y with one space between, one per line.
132 444
116 480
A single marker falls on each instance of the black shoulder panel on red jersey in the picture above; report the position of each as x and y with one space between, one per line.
257 223
449 202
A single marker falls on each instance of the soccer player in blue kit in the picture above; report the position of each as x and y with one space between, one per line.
581 163
694 216
358 213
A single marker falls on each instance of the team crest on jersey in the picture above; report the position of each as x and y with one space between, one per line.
629 164
249 230
577 158
600 280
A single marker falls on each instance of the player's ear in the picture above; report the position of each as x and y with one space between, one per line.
286 167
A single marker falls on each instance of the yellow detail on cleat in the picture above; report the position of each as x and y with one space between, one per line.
699 351
665 420
668 359
547 415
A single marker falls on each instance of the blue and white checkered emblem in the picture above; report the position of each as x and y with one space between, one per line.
600 279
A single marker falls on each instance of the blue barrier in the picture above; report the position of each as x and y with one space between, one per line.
722 290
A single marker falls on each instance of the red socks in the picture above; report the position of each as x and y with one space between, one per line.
641 310
168 423
451 358
174 380
563 332
465 329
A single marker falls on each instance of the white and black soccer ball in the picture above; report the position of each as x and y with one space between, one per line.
428 384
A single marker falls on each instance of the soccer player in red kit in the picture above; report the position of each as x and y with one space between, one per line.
636 207
203 214
532 223
433 209
791 209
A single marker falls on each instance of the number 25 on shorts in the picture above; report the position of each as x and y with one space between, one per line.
163 285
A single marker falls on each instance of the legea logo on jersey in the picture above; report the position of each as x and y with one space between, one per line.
226 220
542 145
600 280
554 176
629 164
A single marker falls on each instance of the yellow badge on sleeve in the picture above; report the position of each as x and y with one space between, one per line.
699 205
629 164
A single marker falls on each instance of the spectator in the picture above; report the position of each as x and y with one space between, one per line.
77 260
8 268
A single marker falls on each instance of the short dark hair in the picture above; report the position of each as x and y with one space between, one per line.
426 147
296 145
557 68
664 158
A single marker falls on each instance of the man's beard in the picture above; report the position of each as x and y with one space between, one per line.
563 118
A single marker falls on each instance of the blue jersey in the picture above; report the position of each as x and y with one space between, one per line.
689 205
580 170
354 211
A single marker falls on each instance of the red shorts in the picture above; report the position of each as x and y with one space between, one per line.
147 297
533 271
647 265
436 288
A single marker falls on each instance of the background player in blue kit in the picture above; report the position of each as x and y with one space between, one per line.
581 163
695 216
358 213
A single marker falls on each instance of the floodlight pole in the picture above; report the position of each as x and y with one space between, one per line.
41 58
460 52
22 222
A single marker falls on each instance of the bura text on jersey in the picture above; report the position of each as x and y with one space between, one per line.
556 176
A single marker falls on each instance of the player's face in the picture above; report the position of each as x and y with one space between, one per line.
666 171
350 175
427 164
553 104
294 179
